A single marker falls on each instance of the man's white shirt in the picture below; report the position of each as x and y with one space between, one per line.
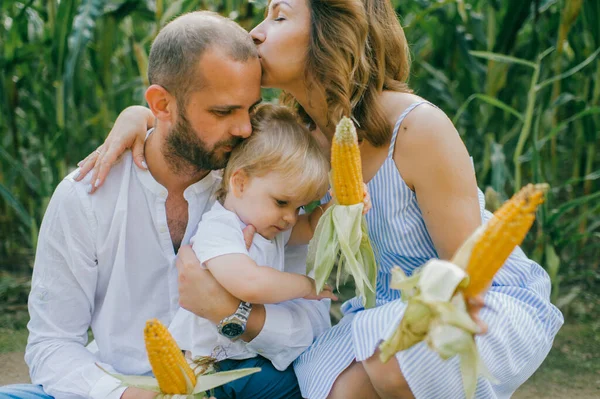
220 232
106 261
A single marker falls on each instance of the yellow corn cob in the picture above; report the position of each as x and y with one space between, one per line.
166 359
503 233
346 168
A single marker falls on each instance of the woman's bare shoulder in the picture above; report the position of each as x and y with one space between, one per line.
427 136
394 103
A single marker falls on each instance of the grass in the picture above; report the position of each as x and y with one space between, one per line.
12 340
574 359
13 331
572 369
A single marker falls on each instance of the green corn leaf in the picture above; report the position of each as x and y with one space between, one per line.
322 250
502 58
82 33
568 73
342 230
490 100
20 211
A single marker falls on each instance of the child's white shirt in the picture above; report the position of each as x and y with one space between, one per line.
220 233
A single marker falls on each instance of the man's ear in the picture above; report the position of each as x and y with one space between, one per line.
161 102
239 182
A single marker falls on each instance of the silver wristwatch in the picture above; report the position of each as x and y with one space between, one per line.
233 326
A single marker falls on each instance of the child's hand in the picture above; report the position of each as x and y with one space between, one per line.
326 292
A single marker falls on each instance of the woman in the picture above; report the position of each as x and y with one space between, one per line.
350 57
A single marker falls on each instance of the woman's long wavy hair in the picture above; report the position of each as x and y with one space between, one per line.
357 49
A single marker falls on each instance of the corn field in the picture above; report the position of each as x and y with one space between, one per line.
519 78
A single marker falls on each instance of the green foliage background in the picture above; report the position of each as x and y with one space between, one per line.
519 78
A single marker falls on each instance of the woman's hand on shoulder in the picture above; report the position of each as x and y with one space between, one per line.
129 131
435 164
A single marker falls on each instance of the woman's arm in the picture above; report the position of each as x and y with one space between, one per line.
129 131
304 229
434 162
244 279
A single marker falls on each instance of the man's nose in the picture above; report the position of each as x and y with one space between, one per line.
243 129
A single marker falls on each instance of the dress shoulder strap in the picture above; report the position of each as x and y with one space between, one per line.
399 122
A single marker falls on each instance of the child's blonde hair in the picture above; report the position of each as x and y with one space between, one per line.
280 143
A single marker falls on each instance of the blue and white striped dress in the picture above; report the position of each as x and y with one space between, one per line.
522 321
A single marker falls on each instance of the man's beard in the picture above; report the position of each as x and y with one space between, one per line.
185 151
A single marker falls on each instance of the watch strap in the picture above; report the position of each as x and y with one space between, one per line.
243 311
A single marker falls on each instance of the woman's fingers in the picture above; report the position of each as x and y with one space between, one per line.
474 306
366 200
86 165
109 154
138 154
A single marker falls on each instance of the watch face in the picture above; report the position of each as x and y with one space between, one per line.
232 330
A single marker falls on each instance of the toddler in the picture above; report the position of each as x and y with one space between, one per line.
269 178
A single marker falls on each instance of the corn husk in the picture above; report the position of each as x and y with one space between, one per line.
205 381
436 310
341 238
437 314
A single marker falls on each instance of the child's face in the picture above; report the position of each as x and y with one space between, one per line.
268 203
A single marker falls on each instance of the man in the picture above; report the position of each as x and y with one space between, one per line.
107 261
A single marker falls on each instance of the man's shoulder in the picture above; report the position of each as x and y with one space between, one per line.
119 169
76 193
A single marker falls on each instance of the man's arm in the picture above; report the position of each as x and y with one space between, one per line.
291 327
61 302
279 332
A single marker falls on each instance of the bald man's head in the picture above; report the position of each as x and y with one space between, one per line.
179 46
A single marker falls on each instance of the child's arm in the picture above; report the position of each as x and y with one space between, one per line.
247 281
305 227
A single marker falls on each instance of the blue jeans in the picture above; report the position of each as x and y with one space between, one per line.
23 391
269 383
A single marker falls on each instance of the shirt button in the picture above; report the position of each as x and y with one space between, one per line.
164 193
162 229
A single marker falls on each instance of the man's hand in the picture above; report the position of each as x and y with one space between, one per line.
249 232
199 292
137 393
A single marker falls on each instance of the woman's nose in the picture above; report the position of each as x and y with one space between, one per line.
257 35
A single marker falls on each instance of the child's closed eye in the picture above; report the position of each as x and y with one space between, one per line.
281 203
